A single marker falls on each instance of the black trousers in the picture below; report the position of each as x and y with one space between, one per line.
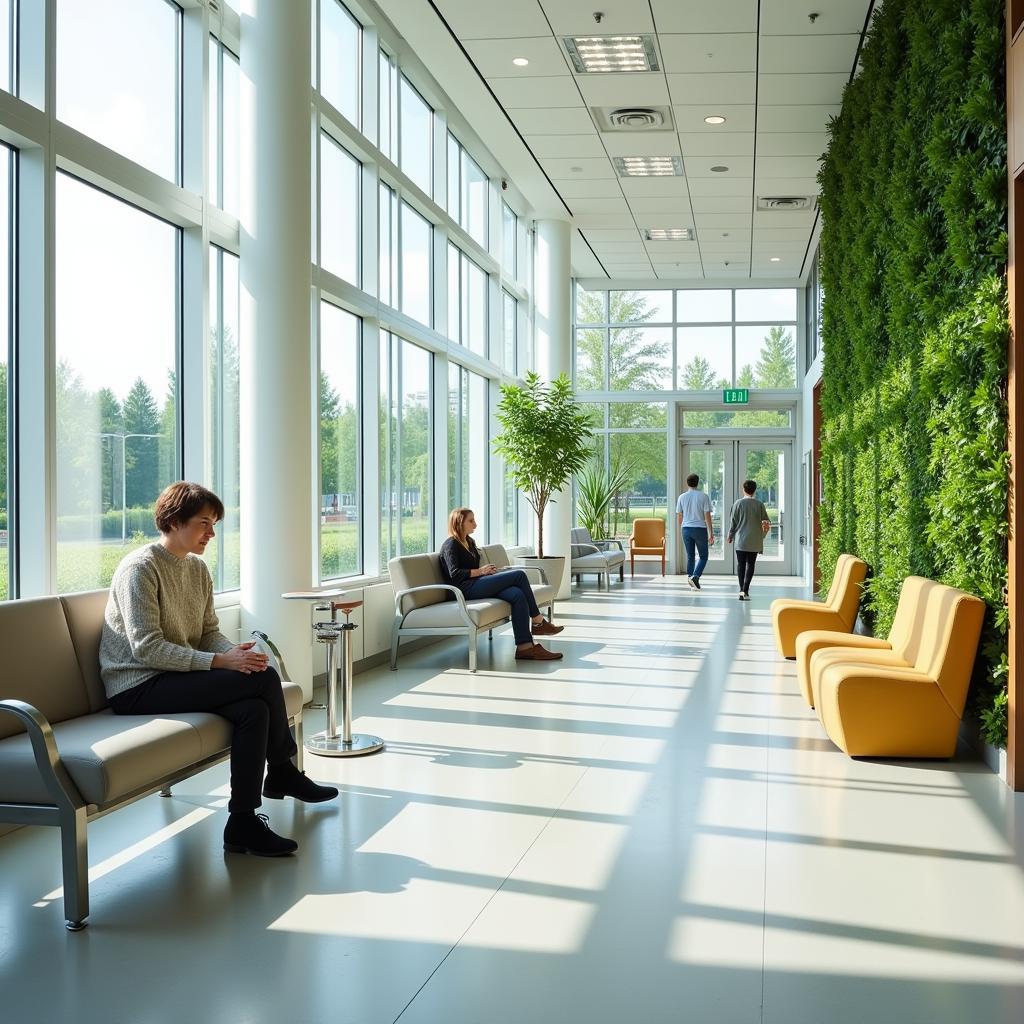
254 704
745 568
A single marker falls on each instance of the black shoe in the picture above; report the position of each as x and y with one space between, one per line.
251 833
286 780
695 583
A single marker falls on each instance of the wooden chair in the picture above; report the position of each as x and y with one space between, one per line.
647 538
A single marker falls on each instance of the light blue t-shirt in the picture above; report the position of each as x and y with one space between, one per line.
693 504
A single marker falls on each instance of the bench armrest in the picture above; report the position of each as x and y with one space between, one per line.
44 747
601 544
459 597
542 576
577 549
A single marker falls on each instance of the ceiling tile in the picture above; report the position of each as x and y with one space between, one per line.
612 235
588 188
794 186
598 205
667 204
553 91
653 186
782 17
724 222
674 273
677 252
626 89
700 53
798 54
566 145
765 231
674 220
797 118
641 143
553 121
589 167
721 204
786 166
628 271
576 17
790 144
493 57
708 15
634 247
604 220
718 90
777 220
700 166
717 143
783 89
721 186
690 118
488 19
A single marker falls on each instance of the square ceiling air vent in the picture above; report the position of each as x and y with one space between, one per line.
785 202
633 119
603 54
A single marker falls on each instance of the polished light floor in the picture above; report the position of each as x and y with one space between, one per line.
654 829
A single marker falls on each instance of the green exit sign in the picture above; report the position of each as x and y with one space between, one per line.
736 396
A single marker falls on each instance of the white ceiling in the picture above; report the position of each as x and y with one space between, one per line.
776 76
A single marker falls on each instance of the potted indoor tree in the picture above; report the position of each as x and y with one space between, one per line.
544 441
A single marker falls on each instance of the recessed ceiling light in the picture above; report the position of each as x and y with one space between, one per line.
520 62
775 259
714 119
669 234
612 53
718 168
648 166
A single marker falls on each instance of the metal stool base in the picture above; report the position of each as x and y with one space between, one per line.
327 746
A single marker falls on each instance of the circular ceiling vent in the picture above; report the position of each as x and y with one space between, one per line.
636 118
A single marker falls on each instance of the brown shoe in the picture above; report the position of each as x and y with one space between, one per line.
537 653
545 628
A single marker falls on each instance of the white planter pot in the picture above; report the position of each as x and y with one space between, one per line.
553 567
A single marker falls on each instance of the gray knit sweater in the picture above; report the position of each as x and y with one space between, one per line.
159 618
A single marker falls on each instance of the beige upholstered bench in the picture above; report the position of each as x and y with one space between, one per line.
424 604
65 757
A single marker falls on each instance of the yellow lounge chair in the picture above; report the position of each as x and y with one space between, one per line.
838 612
871 708
902 643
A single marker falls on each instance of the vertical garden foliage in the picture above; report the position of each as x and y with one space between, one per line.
913 255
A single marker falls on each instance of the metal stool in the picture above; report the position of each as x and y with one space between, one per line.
330 743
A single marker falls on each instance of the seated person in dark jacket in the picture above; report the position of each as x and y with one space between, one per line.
460 566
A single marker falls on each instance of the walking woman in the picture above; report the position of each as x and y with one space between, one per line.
748 525
162 652
460 566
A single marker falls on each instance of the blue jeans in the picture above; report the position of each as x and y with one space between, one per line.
513 586
695 540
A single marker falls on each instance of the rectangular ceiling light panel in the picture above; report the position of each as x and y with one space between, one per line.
670 235
590 54
647 166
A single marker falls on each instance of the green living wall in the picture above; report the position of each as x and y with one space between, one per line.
913 259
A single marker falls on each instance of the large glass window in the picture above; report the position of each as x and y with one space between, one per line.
340 59
339 210
387 106
119 77
387 248
467 301
509 231
704 357
467 442
225 176
510 316
223 553
640 358
765 357
636 307
117 333
416 131
417 276
405 446
340 493
8 35
699 305
761 304
6 546
467 192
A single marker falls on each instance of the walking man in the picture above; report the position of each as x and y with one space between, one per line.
749 525
693 515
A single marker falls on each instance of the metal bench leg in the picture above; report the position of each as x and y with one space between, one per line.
166 791
622 573
394 649
297 736
472 650
74 850
490 636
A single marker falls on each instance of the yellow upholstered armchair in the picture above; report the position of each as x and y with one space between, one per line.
879 704
838 612
647 538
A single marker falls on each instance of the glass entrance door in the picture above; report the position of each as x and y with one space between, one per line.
722 466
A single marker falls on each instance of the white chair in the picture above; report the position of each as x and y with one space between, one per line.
602 557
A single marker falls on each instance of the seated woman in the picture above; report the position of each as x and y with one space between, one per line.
460 566
162 652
